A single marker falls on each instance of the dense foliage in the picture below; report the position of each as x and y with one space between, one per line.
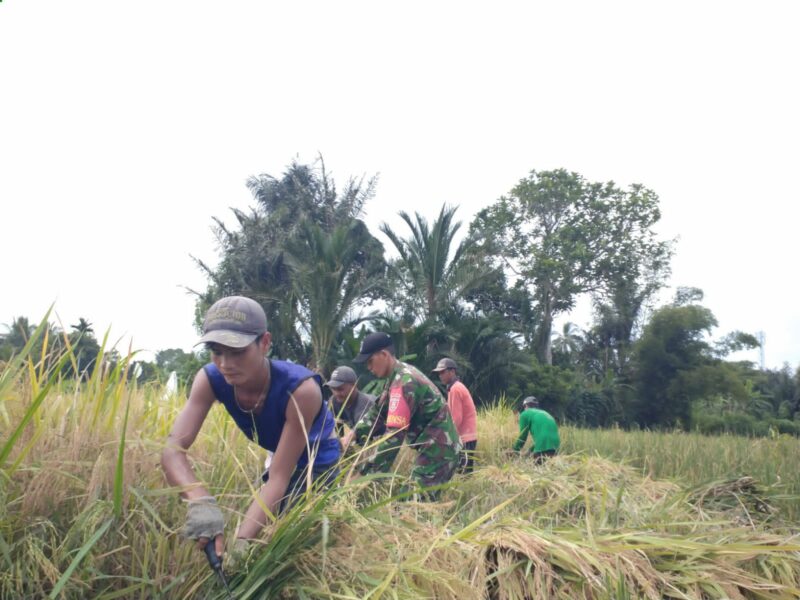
489 299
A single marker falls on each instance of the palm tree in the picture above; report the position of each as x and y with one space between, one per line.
254 254
19 332
83 327
487 356
85 348
569 341
433 273
253 264
332 274
47 344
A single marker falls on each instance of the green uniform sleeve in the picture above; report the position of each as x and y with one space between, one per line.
368 423
385 454
524 429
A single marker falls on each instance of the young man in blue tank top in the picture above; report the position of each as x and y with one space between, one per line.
276 404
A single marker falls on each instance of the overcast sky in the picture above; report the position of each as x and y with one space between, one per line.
125 126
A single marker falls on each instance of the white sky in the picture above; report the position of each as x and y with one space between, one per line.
125 126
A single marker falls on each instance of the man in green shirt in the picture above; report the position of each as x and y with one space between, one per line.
542 427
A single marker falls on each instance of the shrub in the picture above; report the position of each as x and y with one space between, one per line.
785 426
741 424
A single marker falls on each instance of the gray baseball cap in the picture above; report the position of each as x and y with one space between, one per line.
234 321
341 375
530 401
444 364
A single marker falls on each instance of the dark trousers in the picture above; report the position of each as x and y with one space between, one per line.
467 457
540 457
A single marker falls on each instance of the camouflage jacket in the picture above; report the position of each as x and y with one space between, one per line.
411 408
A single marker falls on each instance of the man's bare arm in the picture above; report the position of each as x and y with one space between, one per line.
174 459
301 410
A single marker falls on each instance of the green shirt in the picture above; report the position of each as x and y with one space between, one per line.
542 427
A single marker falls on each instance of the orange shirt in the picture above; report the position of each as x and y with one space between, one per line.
462 409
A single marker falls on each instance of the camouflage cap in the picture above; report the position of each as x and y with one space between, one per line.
234 321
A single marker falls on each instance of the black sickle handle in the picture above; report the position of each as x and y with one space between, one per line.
211 554
216 564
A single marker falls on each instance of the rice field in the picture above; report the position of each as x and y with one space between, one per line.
85 511
693 459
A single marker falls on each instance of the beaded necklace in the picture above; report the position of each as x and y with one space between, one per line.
261 398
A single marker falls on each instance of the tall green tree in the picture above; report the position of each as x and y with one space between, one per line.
631 274
185 364
563 236
676 365
431 270
85 348
671 350
47 347
83 326
255 253
253 264
513 303
780 388
14 338
333 274
19 332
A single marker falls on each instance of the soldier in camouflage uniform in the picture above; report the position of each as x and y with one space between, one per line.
412 408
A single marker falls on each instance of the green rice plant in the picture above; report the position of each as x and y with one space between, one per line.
85 511
78 557
693 459
41 384
119 472
9 374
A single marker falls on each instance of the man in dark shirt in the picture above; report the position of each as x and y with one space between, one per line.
349 403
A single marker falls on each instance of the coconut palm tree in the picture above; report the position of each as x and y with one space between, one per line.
83 326
85 348
332 274
569 341
432 271
254 259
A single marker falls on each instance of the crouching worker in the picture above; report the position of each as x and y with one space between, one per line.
542 427
411 408
349 405
275 403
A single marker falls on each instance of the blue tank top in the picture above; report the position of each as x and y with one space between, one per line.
265 428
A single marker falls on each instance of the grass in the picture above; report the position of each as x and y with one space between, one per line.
85 511
694 459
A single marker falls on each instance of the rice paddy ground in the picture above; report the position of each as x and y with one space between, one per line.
85 512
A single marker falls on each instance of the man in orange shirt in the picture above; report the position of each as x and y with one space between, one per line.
462 409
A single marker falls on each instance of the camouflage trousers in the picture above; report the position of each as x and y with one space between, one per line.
435 464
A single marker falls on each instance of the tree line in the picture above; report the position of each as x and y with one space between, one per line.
489 296
49 342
